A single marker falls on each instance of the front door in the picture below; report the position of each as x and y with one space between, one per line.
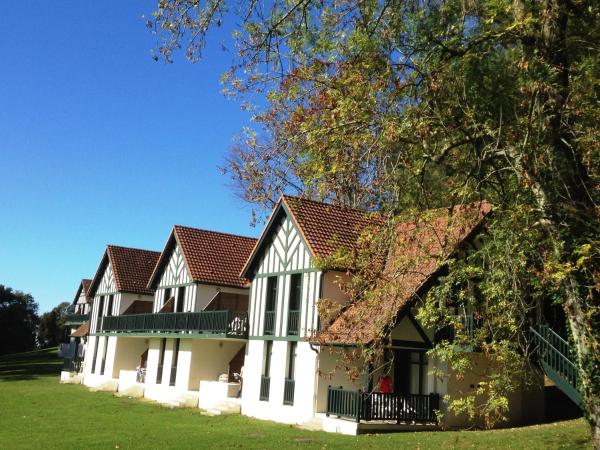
409 371
402 371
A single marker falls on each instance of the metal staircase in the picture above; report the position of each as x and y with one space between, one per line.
555 357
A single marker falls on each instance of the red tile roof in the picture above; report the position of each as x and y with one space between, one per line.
211 257
132 268
84 285
327 227
324 227
82 330
420 249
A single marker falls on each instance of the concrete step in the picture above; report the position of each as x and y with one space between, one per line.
314 424
107 386
135 391
188 401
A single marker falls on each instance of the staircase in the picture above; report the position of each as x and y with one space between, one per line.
555 357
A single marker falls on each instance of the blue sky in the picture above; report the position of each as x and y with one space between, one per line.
99 144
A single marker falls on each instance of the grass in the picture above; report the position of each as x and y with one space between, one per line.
38 412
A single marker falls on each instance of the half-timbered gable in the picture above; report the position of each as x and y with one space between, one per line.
285 265
175 283
120 280
286 285
198 267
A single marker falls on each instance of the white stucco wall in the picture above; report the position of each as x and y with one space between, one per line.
274 409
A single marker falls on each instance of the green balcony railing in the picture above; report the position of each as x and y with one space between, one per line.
288 391
556 358
293 323
269 322
378 406
229 323
76 319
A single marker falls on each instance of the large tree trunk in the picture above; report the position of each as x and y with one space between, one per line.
563 200
586 345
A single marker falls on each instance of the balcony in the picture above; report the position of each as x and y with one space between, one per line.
377 406
75 320
293 323
269 322
204 323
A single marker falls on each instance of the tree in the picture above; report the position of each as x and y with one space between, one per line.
18 321
52 329
406 105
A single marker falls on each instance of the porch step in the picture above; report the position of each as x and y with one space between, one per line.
229 406
183 401
70 378
211 412
314 424
135 391
107 386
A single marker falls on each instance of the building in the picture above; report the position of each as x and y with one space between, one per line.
77 319
290 371
196 331
118 288
181 326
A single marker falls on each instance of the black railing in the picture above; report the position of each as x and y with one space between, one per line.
234 324
377 406
265 385
72 364
269 322
343 403
288 392
293 323
400 407
76 319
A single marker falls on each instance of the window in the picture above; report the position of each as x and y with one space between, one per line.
267 361
109 309
294 304
295 291
291 363
161 361
418 372
167 296
174 363
103 362
271 304
180 299
100 311
271 293
265 379
95 355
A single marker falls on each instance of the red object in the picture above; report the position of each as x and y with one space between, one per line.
385 384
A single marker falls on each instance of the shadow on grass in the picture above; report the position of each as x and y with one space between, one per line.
30 365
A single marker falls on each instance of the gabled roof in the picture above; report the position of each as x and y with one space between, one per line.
413 263
131 267
82 330
323 227
210 257
84 285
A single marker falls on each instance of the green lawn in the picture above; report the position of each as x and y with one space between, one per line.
38 412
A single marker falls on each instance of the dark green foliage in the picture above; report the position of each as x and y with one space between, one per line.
18 321
52 329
